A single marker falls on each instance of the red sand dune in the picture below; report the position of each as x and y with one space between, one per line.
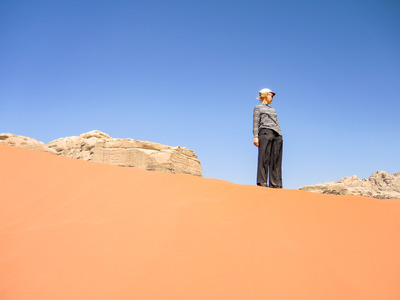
79 230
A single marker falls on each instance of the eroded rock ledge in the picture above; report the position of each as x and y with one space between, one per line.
380 185
98 146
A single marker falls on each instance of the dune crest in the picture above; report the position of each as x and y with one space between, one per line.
72 229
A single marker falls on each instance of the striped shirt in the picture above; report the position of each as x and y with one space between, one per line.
264 116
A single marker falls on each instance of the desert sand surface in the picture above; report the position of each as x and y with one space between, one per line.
72 229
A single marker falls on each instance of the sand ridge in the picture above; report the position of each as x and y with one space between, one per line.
72 229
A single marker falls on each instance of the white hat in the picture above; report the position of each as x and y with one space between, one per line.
264 91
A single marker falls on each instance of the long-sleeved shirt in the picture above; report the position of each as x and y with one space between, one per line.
264 116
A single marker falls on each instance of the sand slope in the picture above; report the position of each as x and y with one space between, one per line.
71 229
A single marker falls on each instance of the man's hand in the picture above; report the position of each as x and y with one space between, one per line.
256 141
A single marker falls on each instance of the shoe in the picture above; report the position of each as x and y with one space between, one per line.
262 184
276 186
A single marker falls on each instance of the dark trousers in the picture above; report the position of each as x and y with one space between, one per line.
270 145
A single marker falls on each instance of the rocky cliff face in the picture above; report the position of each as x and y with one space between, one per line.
380 185
10 139
98 146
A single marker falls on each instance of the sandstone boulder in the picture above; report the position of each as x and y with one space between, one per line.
24 142
380 185
98 146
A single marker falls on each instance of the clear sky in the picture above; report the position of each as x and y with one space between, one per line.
188 72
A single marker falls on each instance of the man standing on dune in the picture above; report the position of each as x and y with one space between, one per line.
268 139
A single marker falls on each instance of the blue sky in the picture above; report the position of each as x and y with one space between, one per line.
187 73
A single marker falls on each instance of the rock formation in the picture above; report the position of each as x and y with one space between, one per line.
98 146
24 142
380 185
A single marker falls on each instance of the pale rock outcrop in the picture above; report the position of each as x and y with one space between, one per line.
10 139
98 146
380 185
